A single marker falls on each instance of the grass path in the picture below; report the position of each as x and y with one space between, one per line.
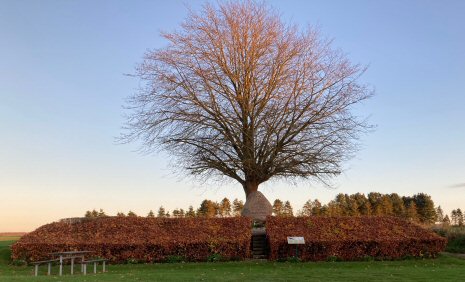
445 268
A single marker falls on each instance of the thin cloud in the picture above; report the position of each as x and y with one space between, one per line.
459 185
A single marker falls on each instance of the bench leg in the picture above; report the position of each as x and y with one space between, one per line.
82 265
36 269
103 266
72 266
95 267
49 270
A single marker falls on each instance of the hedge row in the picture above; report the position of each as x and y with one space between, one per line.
122 239
351 238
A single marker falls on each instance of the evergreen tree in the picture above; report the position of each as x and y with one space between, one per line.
352 205
287 209
88 214
181 213
398 206
386 205
361 201
454 217
238 205
101 213
425 208
411 212
161 212
446 220
365 208
375 201
207 209
94 213
278 207
150 214
225 208
176 213
333 209
439 214
131 213
120 214
324 210
190 212
316 208
307 209
459 217
341 203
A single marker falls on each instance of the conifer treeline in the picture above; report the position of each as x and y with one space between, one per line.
418 208
456 217
207 208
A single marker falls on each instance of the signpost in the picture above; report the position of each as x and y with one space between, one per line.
296 241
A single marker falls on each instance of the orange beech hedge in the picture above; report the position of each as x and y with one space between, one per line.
122 239
351 238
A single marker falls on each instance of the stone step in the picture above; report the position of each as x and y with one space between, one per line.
259 244
258 231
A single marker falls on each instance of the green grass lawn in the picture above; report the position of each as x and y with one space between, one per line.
444 268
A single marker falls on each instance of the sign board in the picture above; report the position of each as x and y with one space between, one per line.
295 240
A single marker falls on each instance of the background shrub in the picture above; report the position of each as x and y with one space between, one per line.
455 237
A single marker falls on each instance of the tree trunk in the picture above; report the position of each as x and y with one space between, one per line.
250 187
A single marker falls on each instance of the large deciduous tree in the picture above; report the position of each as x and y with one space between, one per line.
240 93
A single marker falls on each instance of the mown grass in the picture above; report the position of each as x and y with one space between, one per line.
444 268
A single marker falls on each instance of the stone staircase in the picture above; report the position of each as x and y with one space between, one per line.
259 244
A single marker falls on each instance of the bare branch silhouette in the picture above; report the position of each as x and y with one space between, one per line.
239 93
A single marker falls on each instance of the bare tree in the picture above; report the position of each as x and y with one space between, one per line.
239 93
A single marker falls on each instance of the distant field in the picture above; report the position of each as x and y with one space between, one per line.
12 234
9 238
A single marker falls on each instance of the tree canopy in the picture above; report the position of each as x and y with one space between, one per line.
240 93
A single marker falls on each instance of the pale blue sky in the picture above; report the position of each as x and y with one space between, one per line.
62 87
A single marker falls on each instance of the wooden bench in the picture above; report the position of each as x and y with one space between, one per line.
49 262
95 262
